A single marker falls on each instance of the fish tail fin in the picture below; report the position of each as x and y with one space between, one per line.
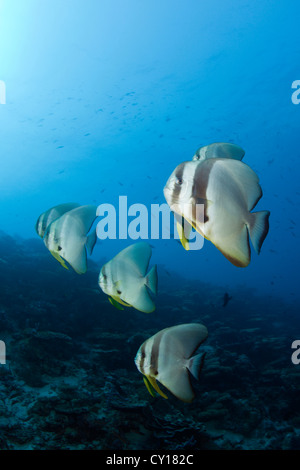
151 280
195 365
91 241
258 228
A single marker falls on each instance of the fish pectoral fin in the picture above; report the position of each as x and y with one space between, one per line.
153 382
149 386
120 301
115 303
59 259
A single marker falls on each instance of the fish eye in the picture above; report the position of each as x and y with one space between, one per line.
179 181
59 248
104 276
119 292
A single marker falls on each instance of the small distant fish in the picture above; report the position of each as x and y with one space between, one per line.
67 237
50 215
228 190
226 299
125 281
219 150
168 357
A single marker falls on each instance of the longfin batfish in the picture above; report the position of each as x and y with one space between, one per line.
52 214
125 278
169 358
219 150
228 190
68 237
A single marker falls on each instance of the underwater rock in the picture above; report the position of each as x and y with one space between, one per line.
70 380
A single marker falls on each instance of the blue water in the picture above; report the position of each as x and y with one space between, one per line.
104 98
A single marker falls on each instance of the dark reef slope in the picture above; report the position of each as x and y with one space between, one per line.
70 381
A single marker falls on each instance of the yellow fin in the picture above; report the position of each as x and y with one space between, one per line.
117 286
115 303
183 239
59 259
120 301
149 386
152 381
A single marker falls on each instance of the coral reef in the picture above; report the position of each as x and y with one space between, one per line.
70 381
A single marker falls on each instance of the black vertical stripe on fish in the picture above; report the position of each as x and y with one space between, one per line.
142 360
200 185
178 184
155 353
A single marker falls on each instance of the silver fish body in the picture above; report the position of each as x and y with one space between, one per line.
227 190
168 356
52 214
126 281
68 238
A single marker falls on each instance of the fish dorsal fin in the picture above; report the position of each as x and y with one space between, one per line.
52 214
219 150
91 241
84 215
238 173
139 254
186 338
